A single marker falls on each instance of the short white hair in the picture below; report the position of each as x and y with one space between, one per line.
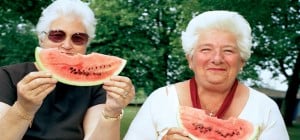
220 20
67 8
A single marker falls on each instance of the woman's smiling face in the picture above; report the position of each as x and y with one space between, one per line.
216 58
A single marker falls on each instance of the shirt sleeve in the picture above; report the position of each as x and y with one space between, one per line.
275 127
8 90
99 96
265 115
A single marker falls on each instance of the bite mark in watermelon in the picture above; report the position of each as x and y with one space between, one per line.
78 70
200 126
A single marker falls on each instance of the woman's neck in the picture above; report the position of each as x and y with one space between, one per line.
214 89
214 105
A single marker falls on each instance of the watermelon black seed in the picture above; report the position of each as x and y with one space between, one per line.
229 134
96 70
202 128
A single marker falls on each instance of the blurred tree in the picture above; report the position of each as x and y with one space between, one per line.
17 36
141 32
277 49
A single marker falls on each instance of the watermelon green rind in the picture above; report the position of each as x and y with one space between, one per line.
254 135
75 83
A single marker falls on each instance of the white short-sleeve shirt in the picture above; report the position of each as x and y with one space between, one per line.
159 112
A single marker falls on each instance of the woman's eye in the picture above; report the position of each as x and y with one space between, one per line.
228 50
205 49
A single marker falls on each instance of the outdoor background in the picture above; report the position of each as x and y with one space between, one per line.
147 34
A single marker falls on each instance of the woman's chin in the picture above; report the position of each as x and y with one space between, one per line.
217 81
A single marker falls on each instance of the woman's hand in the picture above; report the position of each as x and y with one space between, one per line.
176 134
33 89
120 91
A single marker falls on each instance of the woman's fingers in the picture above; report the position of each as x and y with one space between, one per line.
33 89
33 75
120 91
37 86
176 134
45 90
34 81
120 85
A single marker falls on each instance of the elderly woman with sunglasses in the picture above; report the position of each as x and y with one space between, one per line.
33 105
217 45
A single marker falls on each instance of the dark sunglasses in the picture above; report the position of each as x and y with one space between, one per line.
58 36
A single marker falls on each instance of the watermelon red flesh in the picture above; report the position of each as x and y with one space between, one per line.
203 127
79 70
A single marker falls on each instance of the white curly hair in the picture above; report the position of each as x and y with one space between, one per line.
67 8
220 20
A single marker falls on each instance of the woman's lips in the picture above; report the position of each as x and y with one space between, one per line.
216 69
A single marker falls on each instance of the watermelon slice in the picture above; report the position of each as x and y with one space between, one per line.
203 127
78 70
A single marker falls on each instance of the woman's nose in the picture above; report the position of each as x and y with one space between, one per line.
217 57
67 44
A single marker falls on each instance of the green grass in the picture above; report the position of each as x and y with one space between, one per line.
294 131
130 112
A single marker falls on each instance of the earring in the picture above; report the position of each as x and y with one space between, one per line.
241 70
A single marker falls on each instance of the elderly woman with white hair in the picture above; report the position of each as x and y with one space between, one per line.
217 45
35 106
